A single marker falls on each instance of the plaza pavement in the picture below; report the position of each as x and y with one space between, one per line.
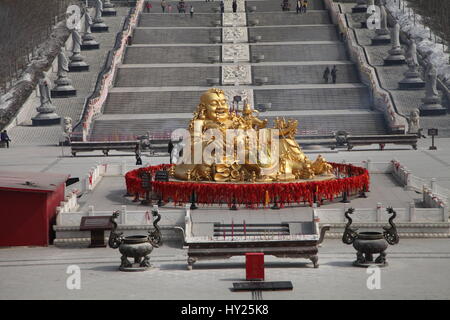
418 269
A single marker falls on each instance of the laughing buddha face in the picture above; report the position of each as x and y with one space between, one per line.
215 104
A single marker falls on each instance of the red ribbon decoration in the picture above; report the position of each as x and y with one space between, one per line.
252 195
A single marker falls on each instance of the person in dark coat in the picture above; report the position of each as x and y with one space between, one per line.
326 74
234 6
5 138
299 6
334 74
222 6
137 153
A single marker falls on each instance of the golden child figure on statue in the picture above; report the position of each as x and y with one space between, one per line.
224 146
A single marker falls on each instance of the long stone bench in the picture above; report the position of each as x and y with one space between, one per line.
382 140
104 146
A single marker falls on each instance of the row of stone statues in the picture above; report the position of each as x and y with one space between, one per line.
63 85
396 56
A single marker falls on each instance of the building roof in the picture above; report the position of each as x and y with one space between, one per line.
31 181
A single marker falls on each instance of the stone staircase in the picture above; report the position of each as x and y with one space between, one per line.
166 68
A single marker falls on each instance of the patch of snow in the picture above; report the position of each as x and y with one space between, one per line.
5 100
433 52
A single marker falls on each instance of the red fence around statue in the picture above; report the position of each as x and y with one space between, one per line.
351 179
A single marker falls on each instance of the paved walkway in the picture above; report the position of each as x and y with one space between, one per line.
418 269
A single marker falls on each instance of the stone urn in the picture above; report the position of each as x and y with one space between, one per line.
369 243
138 247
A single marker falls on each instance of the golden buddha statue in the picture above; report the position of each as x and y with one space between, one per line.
239 148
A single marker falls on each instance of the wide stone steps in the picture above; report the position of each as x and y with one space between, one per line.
295 33
292 74
301 52
163 35
161 98
289 18
314 99
189 76
366 123
199 7
292 99
151 102
195 54
162 76
275 6
283 52
178 20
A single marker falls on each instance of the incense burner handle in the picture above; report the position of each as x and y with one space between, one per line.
115 238
350 233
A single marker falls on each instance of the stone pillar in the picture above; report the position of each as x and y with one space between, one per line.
123 215
433 185
396 54
432 101
407 179
412 212
99 25
445 213
382 35
187 221
108 9
412 78
379 211
63 85
369 165
89 42
77 62
123 168
46 110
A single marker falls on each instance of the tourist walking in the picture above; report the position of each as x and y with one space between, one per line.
191 11
181 7
222 6
326 74
334 74
148 6
137 154
234 5
163 6
4 138
169 7
305 5
299 6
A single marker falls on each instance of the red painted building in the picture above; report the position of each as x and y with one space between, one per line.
28 202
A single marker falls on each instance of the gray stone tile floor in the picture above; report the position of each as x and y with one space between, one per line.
416 270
